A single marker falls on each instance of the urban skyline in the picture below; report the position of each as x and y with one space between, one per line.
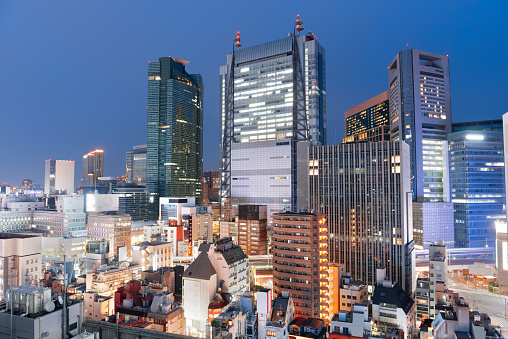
463 28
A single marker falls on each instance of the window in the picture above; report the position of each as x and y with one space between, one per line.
270 333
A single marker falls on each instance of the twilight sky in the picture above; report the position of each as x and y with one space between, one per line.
73 74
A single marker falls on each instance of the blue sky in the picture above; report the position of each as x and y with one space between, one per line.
73 74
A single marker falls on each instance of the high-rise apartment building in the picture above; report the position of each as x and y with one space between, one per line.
273 96
252 232
59 176
420 114
477 184
300 261
135 165
369 120
93 167
175 130
364 190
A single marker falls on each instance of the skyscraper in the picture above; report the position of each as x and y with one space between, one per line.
59 176
477 184
135 165
368 120
174 131
420 114
93 167
273 96
364 190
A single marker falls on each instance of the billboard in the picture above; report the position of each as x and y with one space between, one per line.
102 202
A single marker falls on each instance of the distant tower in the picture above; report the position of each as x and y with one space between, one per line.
93 167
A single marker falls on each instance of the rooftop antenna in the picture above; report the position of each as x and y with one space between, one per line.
299 24
237 40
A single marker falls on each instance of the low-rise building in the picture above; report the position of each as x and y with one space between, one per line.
352 292
116 228
392 309
67 219
152 255
354 323
282 314
98 307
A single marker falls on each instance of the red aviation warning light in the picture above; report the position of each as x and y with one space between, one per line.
299 24
237 40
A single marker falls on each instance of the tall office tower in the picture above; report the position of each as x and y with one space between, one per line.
133 200
364 190
135 165
368 121
59 176
93 167
477 184
273 97
300 261
420 114
175 131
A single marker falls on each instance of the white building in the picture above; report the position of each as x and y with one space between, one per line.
230 262
199 285
392 309
69 218
152 255
57 247
354 323
16 212
98 307
20 260
282 314
59 177
35 315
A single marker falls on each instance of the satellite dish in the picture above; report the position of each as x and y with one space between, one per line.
60 300
50 306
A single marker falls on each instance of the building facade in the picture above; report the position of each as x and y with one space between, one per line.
133 200
135 165
116 228
20 260
59 176
273 96
252 232
364 190
367 115
174 130
300 261
68 219
477 185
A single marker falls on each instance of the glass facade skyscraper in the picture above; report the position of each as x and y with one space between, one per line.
135 165
174 131
266 86
93 167
367 115
477 185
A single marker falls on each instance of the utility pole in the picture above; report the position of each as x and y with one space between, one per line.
64 313
12 306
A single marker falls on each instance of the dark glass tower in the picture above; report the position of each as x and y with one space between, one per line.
174 131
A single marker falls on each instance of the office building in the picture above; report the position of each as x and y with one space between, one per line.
152 255
27 184
433 222
252 233
502 254
67 219
420 114
174 130
211 185
93 167
273 96
20 260
116 228
59 177
364 120
364 190
135 165
438 273
300 261
16 212
133 200
477 184
489 125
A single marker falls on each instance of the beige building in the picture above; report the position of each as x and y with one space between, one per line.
352 292
152 255
107 282
98 307
116 228
300 262
20 260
